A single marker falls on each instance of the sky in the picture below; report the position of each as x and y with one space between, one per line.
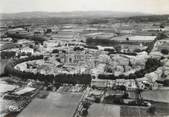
145 6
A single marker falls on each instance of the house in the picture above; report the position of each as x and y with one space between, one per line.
27 50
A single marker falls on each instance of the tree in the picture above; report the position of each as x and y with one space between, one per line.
164 51
152 110
162 25
118 48
55 51
132 76
48 31
108 69
152 63
161 36
137 50
78 48
46 58
139 74
127 39
7 54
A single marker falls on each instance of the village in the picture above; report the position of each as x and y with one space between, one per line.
80 70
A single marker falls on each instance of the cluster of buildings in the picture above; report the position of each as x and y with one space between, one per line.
65 51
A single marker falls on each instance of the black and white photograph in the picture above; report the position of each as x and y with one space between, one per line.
84 58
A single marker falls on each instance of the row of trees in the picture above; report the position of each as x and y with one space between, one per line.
160 36
9 69
16 36
164 82
104 42
151 65
150 18
91 47
50 78
78 49
7 54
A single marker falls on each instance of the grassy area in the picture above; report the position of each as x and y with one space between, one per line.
161 110
55 105
104 110
157 95
158 98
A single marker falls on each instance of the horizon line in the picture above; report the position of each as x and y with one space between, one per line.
146 13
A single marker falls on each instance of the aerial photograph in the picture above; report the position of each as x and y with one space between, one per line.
84 58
